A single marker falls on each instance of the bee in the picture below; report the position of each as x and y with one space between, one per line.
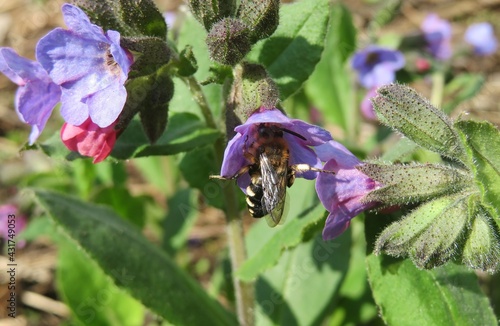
270 172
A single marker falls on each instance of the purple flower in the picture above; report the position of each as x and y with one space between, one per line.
437 33
300 149
37 94
482 37
9 214
89 65
367 106
342 193
376 66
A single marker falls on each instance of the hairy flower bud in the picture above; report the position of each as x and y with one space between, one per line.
261 17
401 108
209 12
410 183
430 233
252 89
228 41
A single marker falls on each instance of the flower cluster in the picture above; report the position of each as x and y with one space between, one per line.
376 66
84 69
341 193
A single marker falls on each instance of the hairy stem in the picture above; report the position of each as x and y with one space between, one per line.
244 292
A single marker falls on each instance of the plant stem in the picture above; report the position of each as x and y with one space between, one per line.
244 292
437 88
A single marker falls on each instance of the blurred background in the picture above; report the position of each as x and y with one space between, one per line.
147 184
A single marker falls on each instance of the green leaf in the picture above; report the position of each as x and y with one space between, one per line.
196 167
460 89
483 143
295 48
128 207
133 262
184 132
90 294
181 216
301 288
330 85
193 34
447 295
304 212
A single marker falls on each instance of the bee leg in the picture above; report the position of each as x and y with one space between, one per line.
240 172
306 168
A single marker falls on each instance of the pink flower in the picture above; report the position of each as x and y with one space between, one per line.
342 193
367 106
89 139
10 219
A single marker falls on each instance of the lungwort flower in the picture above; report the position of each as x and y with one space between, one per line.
377 66
482 37
437 33
89 65
36 96
89 139
342 193
301 138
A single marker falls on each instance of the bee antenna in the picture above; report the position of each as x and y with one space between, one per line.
294 133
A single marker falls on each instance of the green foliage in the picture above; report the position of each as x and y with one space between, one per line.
184 132
108 240
481 139
448 295
295 48
90 294
329 87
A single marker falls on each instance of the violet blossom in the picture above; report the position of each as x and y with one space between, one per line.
437 33
377 66
301 150
10 212
342 193
482 37
36 96
89 65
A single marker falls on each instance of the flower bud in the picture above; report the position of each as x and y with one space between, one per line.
89 139
209 12
252 89
130 18
404 184
482 247
261 17
228 41
431 234
401 108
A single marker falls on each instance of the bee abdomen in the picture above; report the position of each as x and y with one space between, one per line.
254 200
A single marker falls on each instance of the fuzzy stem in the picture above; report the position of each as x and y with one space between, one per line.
244 292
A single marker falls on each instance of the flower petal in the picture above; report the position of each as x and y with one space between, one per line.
77 21
73 110
105 106
74 62
233 157
302 154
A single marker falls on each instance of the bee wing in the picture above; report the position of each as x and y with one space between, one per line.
274 189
